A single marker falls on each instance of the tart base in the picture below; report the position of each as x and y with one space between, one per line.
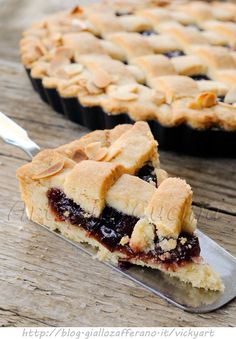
198 274
208 142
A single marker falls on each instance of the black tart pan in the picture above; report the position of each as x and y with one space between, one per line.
213 142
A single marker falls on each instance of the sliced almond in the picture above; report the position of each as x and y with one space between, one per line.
76 10
57 64
101 154
92 88
125 93
52 82
68 91
101 78
158 97
112 155
50 171
56 36
73 69
79 24
79 155
92 148
230 97
133 88
40 49
163 3
204 100
122 95
207 99
57 39
64 52
39 70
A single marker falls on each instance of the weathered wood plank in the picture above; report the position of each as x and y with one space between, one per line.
213 180
9 318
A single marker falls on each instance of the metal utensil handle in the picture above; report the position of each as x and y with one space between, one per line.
15 135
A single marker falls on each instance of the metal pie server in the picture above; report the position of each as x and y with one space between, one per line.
180 294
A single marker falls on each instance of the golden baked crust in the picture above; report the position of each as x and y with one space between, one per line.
116 170
134 148
154 66
175 87
170 207
88 182
137 195
189 65
84 53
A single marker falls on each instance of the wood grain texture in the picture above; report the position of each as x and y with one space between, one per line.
44 280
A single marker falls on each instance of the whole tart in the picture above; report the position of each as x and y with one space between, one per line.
107 189
171 63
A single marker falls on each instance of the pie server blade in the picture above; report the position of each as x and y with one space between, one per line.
182 295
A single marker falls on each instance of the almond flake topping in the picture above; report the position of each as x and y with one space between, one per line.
101 154
92 148
158 97
76 10
57 64
95 152
92 88
101 78
79 24
39 48
126 93
64 52
79 155
50 171
204 100
230 97
73 69
57 37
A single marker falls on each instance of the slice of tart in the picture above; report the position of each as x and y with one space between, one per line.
107 189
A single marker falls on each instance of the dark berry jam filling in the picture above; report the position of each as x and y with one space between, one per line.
195 26
199 77
220 98
184 251
173 54
112 225
123 13
147 173
148 33
108 229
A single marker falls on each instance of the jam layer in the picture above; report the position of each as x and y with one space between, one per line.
123 13
112 225
199 77
147 173
173 54
148 33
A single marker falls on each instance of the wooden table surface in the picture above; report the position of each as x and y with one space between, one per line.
43 279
